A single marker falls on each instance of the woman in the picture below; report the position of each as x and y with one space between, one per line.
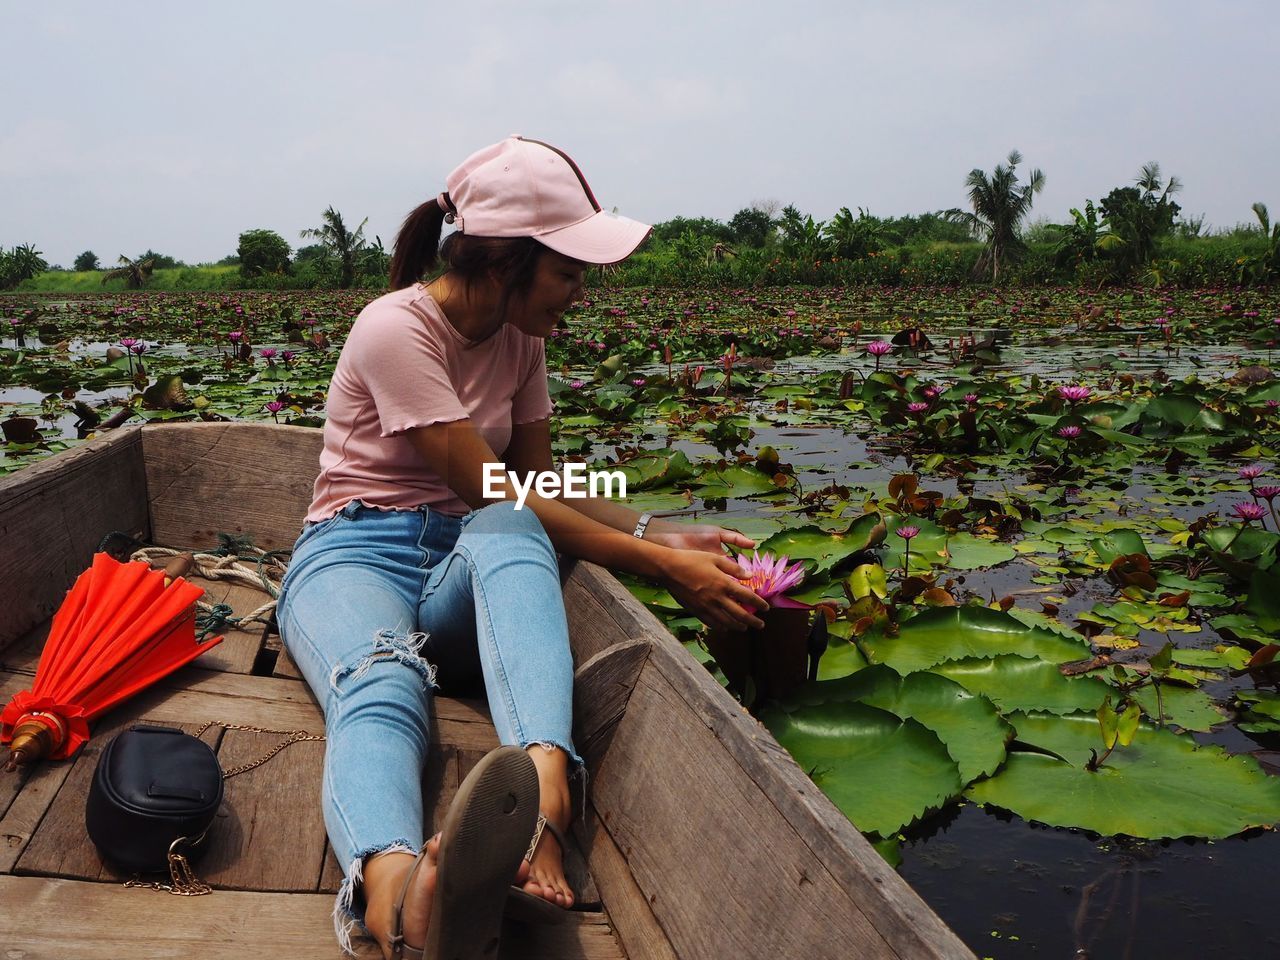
407 578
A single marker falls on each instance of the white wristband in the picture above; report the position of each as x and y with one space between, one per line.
641 525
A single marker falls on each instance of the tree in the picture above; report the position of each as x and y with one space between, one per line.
160 261
803 238
262 251
87 261
671 230
751 227
1266 266
343 244
20 263
1000 204
1136 217
134 273
853 238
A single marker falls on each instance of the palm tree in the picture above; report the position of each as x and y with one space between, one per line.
134 273
1000 204
342 243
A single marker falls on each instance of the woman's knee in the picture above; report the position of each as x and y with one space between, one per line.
505 517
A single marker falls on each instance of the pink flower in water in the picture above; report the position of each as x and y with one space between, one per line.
1069 432
1272 404
770 578
287 356
917 406
274 406
908 532
139 348
127 342
267 353
1268 493
234 336
1075 393
638 382
878 348
1248 511
971 398
1251 472
577 384
932 391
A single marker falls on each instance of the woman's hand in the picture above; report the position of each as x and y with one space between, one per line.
695 536
707 584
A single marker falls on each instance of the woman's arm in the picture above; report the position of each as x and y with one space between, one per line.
708 584
530 450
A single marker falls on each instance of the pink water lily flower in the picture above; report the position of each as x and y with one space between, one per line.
769 578
1075 393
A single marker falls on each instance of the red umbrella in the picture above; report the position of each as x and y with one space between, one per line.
121 627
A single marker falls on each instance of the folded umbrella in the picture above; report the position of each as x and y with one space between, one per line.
122 627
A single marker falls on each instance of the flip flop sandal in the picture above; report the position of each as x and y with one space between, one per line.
485 833
528 907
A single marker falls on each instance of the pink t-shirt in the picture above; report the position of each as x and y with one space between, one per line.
404 366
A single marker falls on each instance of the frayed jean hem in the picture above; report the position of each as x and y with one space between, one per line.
348 908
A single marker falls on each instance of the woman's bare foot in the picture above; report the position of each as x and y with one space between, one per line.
546 877
383 878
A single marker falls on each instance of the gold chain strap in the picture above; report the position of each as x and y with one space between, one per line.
290 737
185 882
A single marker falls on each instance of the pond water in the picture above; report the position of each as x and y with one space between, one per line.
1009 888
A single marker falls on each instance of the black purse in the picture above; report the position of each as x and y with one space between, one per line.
155 793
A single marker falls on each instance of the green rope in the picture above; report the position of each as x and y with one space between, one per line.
219 617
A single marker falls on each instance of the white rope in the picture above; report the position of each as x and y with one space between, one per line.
264 577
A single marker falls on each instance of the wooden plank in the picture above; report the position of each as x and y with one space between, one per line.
705 754
199 695
285 667
25 798
58 919
709 854
904 920
240 644
602 611
628 910
601 688
23 655
269 833
244 479
54 514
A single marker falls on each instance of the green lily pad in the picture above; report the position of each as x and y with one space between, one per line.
1187 708
954 633
1118 543
967 724
1264 599
882 771
967 552
822 548
1013 683
1259 711
1160 786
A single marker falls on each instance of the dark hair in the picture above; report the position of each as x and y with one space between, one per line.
510 261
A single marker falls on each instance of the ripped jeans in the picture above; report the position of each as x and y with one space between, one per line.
376 607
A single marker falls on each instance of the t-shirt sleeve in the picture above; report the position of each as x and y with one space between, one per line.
532 400
404 369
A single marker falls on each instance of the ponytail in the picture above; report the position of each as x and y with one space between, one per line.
417 245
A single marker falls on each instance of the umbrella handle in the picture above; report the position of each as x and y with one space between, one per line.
35 736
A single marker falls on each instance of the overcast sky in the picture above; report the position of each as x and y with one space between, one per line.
129 125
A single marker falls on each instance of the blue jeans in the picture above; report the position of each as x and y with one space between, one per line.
379 609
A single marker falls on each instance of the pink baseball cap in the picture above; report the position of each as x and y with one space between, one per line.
527 188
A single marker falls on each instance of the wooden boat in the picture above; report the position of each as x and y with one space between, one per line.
700 836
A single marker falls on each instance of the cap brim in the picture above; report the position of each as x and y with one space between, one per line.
602 238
